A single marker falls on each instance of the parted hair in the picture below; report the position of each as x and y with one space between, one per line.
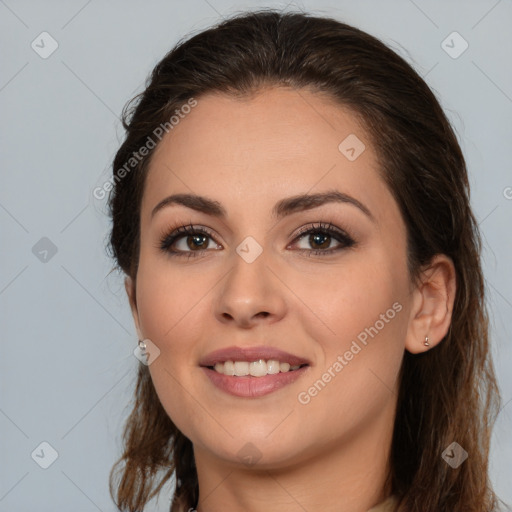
448 393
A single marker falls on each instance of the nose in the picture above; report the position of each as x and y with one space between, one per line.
251 293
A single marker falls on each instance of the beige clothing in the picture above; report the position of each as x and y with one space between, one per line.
388 505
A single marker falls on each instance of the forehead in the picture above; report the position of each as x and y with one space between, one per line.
278 143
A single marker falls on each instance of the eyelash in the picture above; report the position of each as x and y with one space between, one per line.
169 238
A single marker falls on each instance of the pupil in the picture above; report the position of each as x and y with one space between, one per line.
321 236
196 241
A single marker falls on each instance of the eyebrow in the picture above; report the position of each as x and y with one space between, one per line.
281 209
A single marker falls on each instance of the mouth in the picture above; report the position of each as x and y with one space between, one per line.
252 372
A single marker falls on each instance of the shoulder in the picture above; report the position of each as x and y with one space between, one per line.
388 505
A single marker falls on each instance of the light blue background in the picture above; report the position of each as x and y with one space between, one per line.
67 367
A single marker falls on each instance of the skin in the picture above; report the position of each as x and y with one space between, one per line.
332 453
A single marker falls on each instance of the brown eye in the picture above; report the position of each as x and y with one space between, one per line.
192 240
319 238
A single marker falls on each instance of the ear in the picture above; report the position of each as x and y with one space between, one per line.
432 308
129 285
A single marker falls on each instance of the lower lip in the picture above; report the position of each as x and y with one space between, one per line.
253 387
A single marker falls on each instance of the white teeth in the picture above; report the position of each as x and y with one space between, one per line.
241 368
229 368
272 367
258 368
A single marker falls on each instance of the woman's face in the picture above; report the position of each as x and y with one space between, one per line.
338 302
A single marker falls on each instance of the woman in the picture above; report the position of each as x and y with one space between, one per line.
291 210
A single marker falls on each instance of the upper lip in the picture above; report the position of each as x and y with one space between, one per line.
251 354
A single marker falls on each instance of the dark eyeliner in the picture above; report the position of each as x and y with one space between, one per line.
327 229
170 237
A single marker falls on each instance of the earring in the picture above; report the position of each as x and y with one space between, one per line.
426 343
142 345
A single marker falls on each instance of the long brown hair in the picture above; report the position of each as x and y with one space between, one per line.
446 394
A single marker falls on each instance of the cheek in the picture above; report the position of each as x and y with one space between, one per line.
173 306
363 323
169 300
357 380
349 300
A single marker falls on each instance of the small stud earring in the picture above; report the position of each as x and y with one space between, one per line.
142 345
426 343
